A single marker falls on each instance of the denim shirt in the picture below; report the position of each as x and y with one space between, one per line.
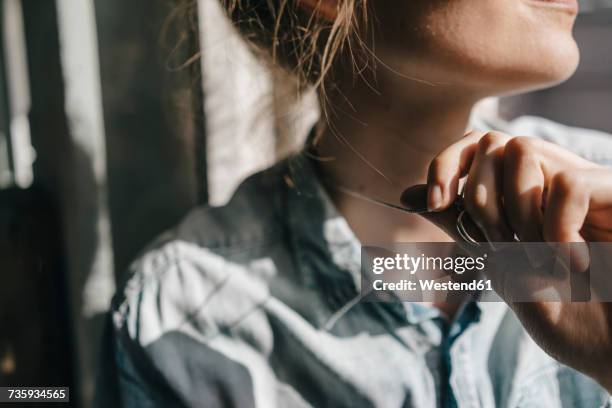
256 304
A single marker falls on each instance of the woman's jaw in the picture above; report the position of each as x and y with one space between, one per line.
489 47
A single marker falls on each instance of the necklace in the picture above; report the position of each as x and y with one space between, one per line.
372 200
461 229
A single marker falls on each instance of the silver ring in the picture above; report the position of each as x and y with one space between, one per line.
462 231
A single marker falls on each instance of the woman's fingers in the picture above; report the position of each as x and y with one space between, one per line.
527 173
524 184
414 200
576 200
480 155
566 211
483 188
447 168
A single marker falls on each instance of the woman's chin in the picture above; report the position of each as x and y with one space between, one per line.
547 70
560 65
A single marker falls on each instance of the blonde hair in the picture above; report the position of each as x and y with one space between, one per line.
303 42
299 39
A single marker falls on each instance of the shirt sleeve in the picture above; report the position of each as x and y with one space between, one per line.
189 331
177 370
140 384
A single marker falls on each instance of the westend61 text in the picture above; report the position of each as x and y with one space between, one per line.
432 285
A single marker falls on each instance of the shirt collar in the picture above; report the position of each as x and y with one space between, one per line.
328 253
327 250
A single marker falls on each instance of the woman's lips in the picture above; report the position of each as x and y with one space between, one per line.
566 5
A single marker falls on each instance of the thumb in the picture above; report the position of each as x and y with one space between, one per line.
414 200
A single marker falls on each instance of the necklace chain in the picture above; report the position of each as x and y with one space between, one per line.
364 197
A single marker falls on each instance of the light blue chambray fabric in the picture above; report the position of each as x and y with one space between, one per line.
255 304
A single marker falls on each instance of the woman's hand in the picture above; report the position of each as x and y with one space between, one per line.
540 192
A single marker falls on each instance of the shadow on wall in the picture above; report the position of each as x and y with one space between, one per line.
149 131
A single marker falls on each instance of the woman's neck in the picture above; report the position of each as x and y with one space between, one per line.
381 143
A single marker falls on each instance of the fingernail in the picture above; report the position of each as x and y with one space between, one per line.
435 198
414 199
